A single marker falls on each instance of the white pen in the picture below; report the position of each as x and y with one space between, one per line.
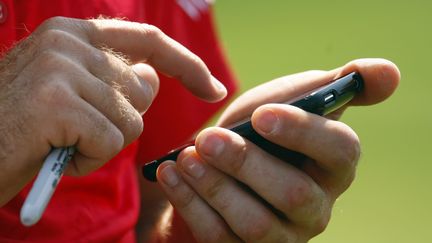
45 184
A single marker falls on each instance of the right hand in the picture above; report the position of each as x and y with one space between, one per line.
62 87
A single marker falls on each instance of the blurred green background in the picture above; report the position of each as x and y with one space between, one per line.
391 198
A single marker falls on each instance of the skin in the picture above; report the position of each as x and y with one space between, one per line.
229 190
67 85
47 91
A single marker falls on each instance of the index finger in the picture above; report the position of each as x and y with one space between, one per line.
146 43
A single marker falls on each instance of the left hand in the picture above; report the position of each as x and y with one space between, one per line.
229 190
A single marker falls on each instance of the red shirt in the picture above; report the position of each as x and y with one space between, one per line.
103 206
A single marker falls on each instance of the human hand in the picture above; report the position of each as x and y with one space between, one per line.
228 190
68 85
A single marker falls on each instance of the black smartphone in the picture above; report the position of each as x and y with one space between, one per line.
321 101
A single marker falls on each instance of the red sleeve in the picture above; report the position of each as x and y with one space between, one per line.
176 115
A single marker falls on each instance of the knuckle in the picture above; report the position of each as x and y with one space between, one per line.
54 93
103 64
133 124
186 200
102 128
197 67
53 23
99 56
214 188
350 149
113 58
100 135
298 196
198 63
49 86
348 180
48 58
258 231
50 61
98 125
320 225
151 31
124 115
116 145
52 38
65 42
318 213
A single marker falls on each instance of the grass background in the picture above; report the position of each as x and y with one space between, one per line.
391 199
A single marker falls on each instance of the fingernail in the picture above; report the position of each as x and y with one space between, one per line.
193 167
219 86
170 176
212 145
267 121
